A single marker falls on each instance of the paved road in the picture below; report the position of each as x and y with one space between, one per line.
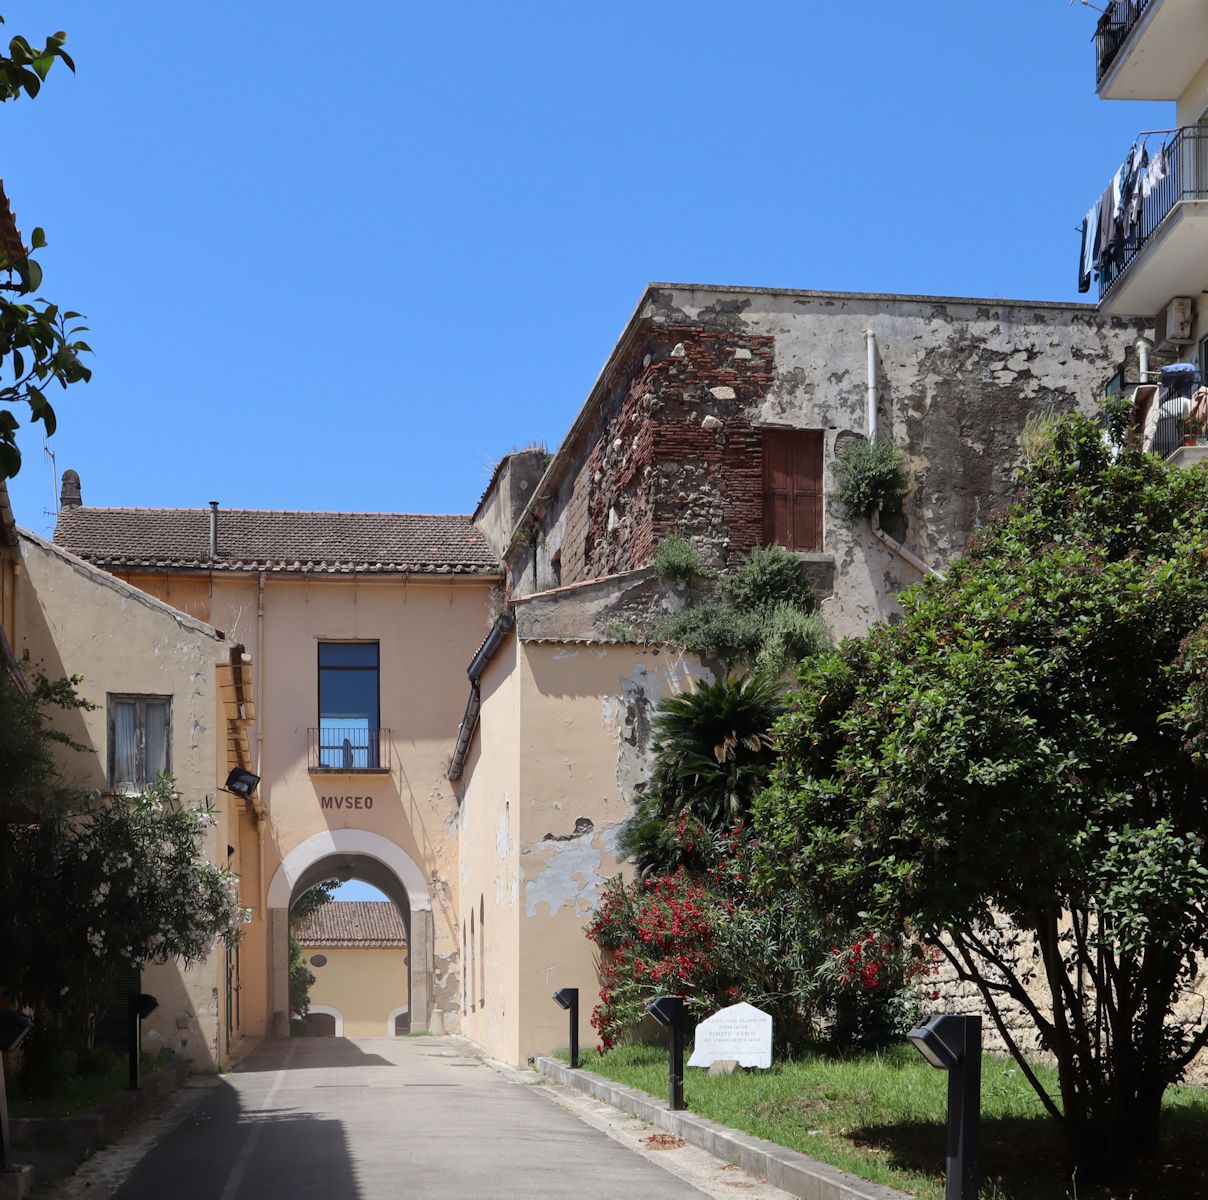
381 1119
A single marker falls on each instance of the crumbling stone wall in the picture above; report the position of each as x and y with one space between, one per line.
671 438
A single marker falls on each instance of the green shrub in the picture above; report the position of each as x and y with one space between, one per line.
790 637
872 478
713 630
676 560
770 576
1037 434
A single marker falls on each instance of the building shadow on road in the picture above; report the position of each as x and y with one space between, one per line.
220 1151
309 1053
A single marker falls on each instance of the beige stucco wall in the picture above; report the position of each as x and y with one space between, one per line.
427 629
363 984
560 747
71 618
489 869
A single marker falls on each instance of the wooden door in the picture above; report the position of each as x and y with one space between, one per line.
792 488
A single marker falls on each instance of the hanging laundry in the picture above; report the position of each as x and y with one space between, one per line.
1086 259
1134 204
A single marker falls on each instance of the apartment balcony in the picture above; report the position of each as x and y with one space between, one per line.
353 751
1167 255
1149 49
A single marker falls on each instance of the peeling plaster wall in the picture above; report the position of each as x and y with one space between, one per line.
675 438
584 740
74 619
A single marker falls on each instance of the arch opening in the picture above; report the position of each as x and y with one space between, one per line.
355 854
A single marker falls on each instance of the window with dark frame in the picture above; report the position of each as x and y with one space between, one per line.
140 741
349 706
792 488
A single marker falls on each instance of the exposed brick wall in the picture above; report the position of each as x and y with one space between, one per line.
710 477
673 449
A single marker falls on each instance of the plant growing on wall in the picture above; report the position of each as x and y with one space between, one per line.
677 560
1027 743
871 478
762 612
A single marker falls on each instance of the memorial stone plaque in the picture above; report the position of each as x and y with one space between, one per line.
742 1033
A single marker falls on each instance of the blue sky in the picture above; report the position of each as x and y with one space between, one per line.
345 256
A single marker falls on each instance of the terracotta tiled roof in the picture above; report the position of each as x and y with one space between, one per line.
260 540
373 923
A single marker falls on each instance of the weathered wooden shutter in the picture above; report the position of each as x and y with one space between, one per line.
792 488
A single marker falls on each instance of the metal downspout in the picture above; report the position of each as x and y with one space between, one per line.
870 339
900 550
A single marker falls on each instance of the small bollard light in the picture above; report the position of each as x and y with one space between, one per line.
568 998
13 1028
139 1005
953 1044
669 1011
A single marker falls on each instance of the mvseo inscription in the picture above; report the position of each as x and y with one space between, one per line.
346 801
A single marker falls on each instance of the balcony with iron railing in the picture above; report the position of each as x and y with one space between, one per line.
1149 49
1113 31
1166 253
348 751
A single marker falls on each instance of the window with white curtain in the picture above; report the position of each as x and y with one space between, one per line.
140 741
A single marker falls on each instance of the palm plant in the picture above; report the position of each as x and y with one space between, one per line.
712 756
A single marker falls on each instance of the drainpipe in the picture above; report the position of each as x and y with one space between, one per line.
213 530
478 664
1143 358
901 551
258 678
871 424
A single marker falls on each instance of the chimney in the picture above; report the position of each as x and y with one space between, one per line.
69 492
213 529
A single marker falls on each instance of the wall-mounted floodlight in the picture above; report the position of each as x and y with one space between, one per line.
13 1028
669 1012
953 1044
242 783
139 1006
568 999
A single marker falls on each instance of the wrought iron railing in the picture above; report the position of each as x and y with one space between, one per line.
344 750
1186 179
1112 32
1164 421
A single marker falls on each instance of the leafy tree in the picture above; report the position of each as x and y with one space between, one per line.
40 343
300 976
1014 772
110 885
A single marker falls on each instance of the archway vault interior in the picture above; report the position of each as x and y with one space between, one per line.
351 853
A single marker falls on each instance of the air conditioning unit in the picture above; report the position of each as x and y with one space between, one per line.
1173 325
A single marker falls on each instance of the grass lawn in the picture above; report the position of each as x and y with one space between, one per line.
79 1093
881 1116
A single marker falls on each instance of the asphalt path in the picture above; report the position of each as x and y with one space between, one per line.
384 1118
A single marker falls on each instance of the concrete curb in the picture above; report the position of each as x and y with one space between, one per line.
104 1121
16 1183
795 1173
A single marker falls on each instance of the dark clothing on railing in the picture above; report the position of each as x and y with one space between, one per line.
1112 32
1140 196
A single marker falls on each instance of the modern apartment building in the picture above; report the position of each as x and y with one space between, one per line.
1145 238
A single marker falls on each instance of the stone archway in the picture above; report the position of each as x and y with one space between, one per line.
379 862
403 1010
325 1010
